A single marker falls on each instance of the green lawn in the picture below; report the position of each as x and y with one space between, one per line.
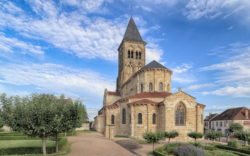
24 143
13 143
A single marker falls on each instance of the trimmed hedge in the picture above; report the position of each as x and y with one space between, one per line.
11 134
25 150
16 137
158 153
233 149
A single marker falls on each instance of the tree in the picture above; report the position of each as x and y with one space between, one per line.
153 138
1 121
213 135
171 134
35 116
42 115
195 135
69 115
234 127
7 109
243 136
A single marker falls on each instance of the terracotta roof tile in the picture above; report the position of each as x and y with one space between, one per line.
150 95
143 101
233 114
210 117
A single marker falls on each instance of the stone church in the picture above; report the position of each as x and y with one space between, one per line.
143 100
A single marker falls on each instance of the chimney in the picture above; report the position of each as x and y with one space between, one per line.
246 113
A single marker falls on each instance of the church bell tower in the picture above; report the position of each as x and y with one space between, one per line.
131 55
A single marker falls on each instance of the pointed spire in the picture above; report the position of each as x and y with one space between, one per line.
132 33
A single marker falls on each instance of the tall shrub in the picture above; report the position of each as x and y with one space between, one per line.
195 135
171 135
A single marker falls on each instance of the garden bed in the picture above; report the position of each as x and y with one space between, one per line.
207 150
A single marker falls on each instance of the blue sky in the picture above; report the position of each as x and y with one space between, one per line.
70 47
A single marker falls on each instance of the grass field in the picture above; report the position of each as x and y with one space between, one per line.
14 143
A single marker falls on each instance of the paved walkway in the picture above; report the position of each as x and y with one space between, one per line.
94 144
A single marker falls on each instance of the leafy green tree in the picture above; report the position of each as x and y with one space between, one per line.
171 135
213 135
153 138
1 121
35 117
235 127
195 135
69 115
243 136
7 109
42 115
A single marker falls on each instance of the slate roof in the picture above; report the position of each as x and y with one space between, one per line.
233 114
154 64
132 33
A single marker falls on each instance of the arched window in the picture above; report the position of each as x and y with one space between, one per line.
139 55
132 54
136 55
160 86
150 87
123 116
128 53
154 118
112 119
142 88
139 118
180 114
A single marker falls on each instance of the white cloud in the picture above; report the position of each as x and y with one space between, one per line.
238 91
183 74
199 86
233 73
73 32
168 3
12 45
55 78
153 52
87 5
196 9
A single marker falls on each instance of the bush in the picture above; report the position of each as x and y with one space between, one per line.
17 138
195 135
234 127
233 149
169 148
197 144
242 135
188 150
171 134
232 143
151 137
208 147
219 153
212 135
25 150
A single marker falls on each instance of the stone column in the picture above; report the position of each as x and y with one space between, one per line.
132 121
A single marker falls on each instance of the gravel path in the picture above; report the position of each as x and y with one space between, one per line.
94 144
